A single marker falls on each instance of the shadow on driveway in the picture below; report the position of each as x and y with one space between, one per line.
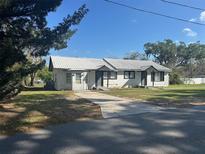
170 131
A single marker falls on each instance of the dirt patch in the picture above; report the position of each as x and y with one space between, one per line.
32 110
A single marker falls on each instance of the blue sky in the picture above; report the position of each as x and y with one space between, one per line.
112 31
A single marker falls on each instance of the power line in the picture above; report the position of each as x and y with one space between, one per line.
183 5
154 13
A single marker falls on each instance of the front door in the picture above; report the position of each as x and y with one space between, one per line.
144 78
99 79
68 81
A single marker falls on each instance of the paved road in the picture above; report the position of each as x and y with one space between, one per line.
112 106
170 131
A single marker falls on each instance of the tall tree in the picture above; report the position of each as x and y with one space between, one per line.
194 59
23 29
135 55
162 52
37 64
188 58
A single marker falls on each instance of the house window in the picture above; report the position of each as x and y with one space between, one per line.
158 76
132 75
109 75
113 75
68 78
105 75
153 76
129 75
126 75
78 78
161 76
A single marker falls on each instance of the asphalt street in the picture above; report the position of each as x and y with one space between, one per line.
170 131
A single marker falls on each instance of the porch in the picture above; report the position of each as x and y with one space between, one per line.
129 79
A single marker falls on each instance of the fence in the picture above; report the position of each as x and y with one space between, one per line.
193 80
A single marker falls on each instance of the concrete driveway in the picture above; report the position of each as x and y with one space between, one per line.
169 132
112 106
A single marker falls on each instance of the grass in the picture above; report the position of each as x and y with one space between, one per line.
172 95
37 109
40 85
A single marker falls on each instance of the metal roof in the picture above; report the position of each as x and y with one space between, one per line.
74 63
140 65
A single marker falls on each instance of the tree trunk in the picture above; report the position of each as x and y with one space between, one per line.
25 82
32 75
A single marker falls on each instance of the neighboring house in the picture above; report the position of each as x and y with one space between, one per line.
71 73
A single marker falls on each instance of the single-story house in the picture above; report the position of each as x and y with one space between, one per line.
71 73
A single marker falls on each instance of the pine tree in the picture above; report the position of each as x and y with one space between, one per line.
23 30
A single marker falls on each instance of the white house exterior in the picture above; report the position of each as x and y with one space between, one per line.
88 73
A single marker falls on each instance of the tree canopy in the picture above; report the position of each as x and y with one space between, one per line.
135 55
162 52
24 31
188 58
185 60
44 74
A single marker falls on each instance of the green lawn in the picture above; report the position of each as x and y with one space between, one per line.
36 109
174 94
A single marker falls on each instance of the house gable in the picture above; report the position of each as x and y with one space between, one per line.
50 67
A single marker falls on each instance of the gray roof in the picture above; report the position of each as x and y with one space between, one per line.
74 63
140 65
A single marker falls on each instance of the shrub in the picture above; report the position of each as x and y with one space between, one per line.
174 78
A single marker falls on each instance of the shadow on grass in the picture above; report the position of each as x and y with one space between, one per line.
164 97
178 97
28 112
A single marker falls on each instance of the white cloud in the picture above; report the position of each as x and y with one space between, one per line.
202 16
193 19
189 32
